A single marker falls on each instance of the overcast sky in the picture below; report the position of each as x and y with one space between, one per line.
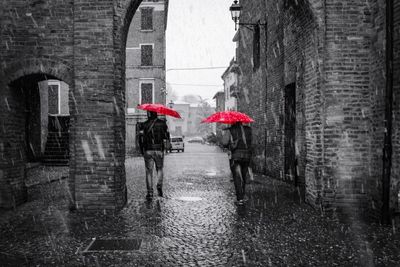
199 34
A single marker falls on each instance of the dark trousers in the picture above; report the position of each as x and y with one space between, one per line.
240 169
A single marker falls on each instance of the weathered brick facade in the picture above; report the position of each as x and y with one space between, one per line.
83 44
395 177
333 54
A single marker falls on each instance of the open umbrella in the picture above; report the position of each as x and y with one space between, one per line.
228 117
161 109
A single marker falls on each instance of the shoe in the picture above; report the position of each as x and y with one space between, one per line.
149 196
240 202
159 190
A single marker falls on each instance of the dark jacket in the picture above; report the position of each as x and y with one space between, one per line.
240 142
153 133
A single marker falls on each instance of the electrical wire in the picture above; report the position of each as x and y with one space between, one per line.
203 85
198 68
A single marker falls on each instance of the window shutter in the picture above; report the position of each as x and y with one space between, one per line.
147 18
53 99
146 93
147 55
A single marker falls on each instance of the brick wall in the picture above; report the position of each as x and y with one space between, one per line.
36 37
346 102
290 59
12 148
252 82
377 99
334 52
97 116
395 176
52 38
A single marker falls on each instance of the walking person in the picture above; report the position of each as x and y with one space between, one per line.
239 145
154 133
238 142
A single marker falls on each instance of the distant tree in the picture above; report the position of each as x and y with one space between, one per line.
192 99
204 110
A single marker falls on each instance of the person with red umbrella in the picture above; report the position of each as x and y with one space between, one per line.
154 133
239 143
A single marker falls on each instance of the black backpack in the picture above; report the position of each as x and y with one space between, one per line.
154 133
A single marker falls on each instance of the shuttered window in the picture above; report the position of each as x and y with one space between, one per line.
53 99
147 55
147 18
146 90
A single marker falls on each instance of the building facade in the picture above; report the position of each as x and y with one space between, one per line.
145 64
179 127
313 77
219 106
219 101
230 78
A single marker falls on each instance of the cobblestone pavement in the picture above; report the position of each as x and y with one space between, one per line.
196 223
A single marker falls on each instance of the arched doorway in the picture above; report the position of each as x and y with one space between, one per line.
36 131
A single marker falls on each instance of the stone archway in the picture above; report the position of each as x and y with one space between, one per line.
22 121
97 171
18 69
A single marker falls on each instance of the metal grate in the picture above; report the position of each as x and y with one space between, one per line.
114 245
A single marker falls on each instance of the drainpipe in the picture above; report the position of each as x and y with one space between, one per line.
387 148
266 84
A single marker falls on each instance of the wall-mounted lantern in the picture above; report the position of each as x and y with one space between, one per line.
236 10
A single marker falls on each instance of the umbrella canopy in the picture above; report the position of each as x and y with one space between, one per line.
161 109
228 117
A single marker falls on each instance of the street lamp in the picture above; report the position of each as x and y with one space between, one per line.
236 10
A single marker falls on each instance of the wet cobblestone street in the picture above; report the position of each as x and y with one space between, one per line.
196 223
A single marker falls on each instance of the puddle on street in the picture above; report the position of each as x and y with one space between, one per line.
211 173
193 199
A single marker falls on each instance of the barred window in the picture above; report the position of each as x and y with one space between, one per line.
147 18
146 90
147 55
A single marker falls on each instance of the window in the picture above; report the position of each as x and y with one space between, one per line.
146 92
147 18
54 97
147 55
256 48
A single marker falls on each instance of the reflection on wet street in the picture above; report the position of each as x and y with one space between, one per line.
196 223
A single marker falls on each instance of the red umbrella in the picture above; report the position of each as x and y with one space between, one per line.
228 117
161 109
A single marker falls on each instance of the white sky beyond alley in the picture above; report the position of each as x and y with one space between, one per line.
199 34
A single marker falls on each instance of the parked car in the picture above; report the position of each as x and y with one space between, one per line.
176 143
196 139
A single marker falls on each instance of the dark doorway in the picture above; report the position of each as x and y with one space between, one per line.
290 162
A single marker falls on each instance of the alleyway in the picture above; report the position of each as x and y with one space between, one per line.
195 224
